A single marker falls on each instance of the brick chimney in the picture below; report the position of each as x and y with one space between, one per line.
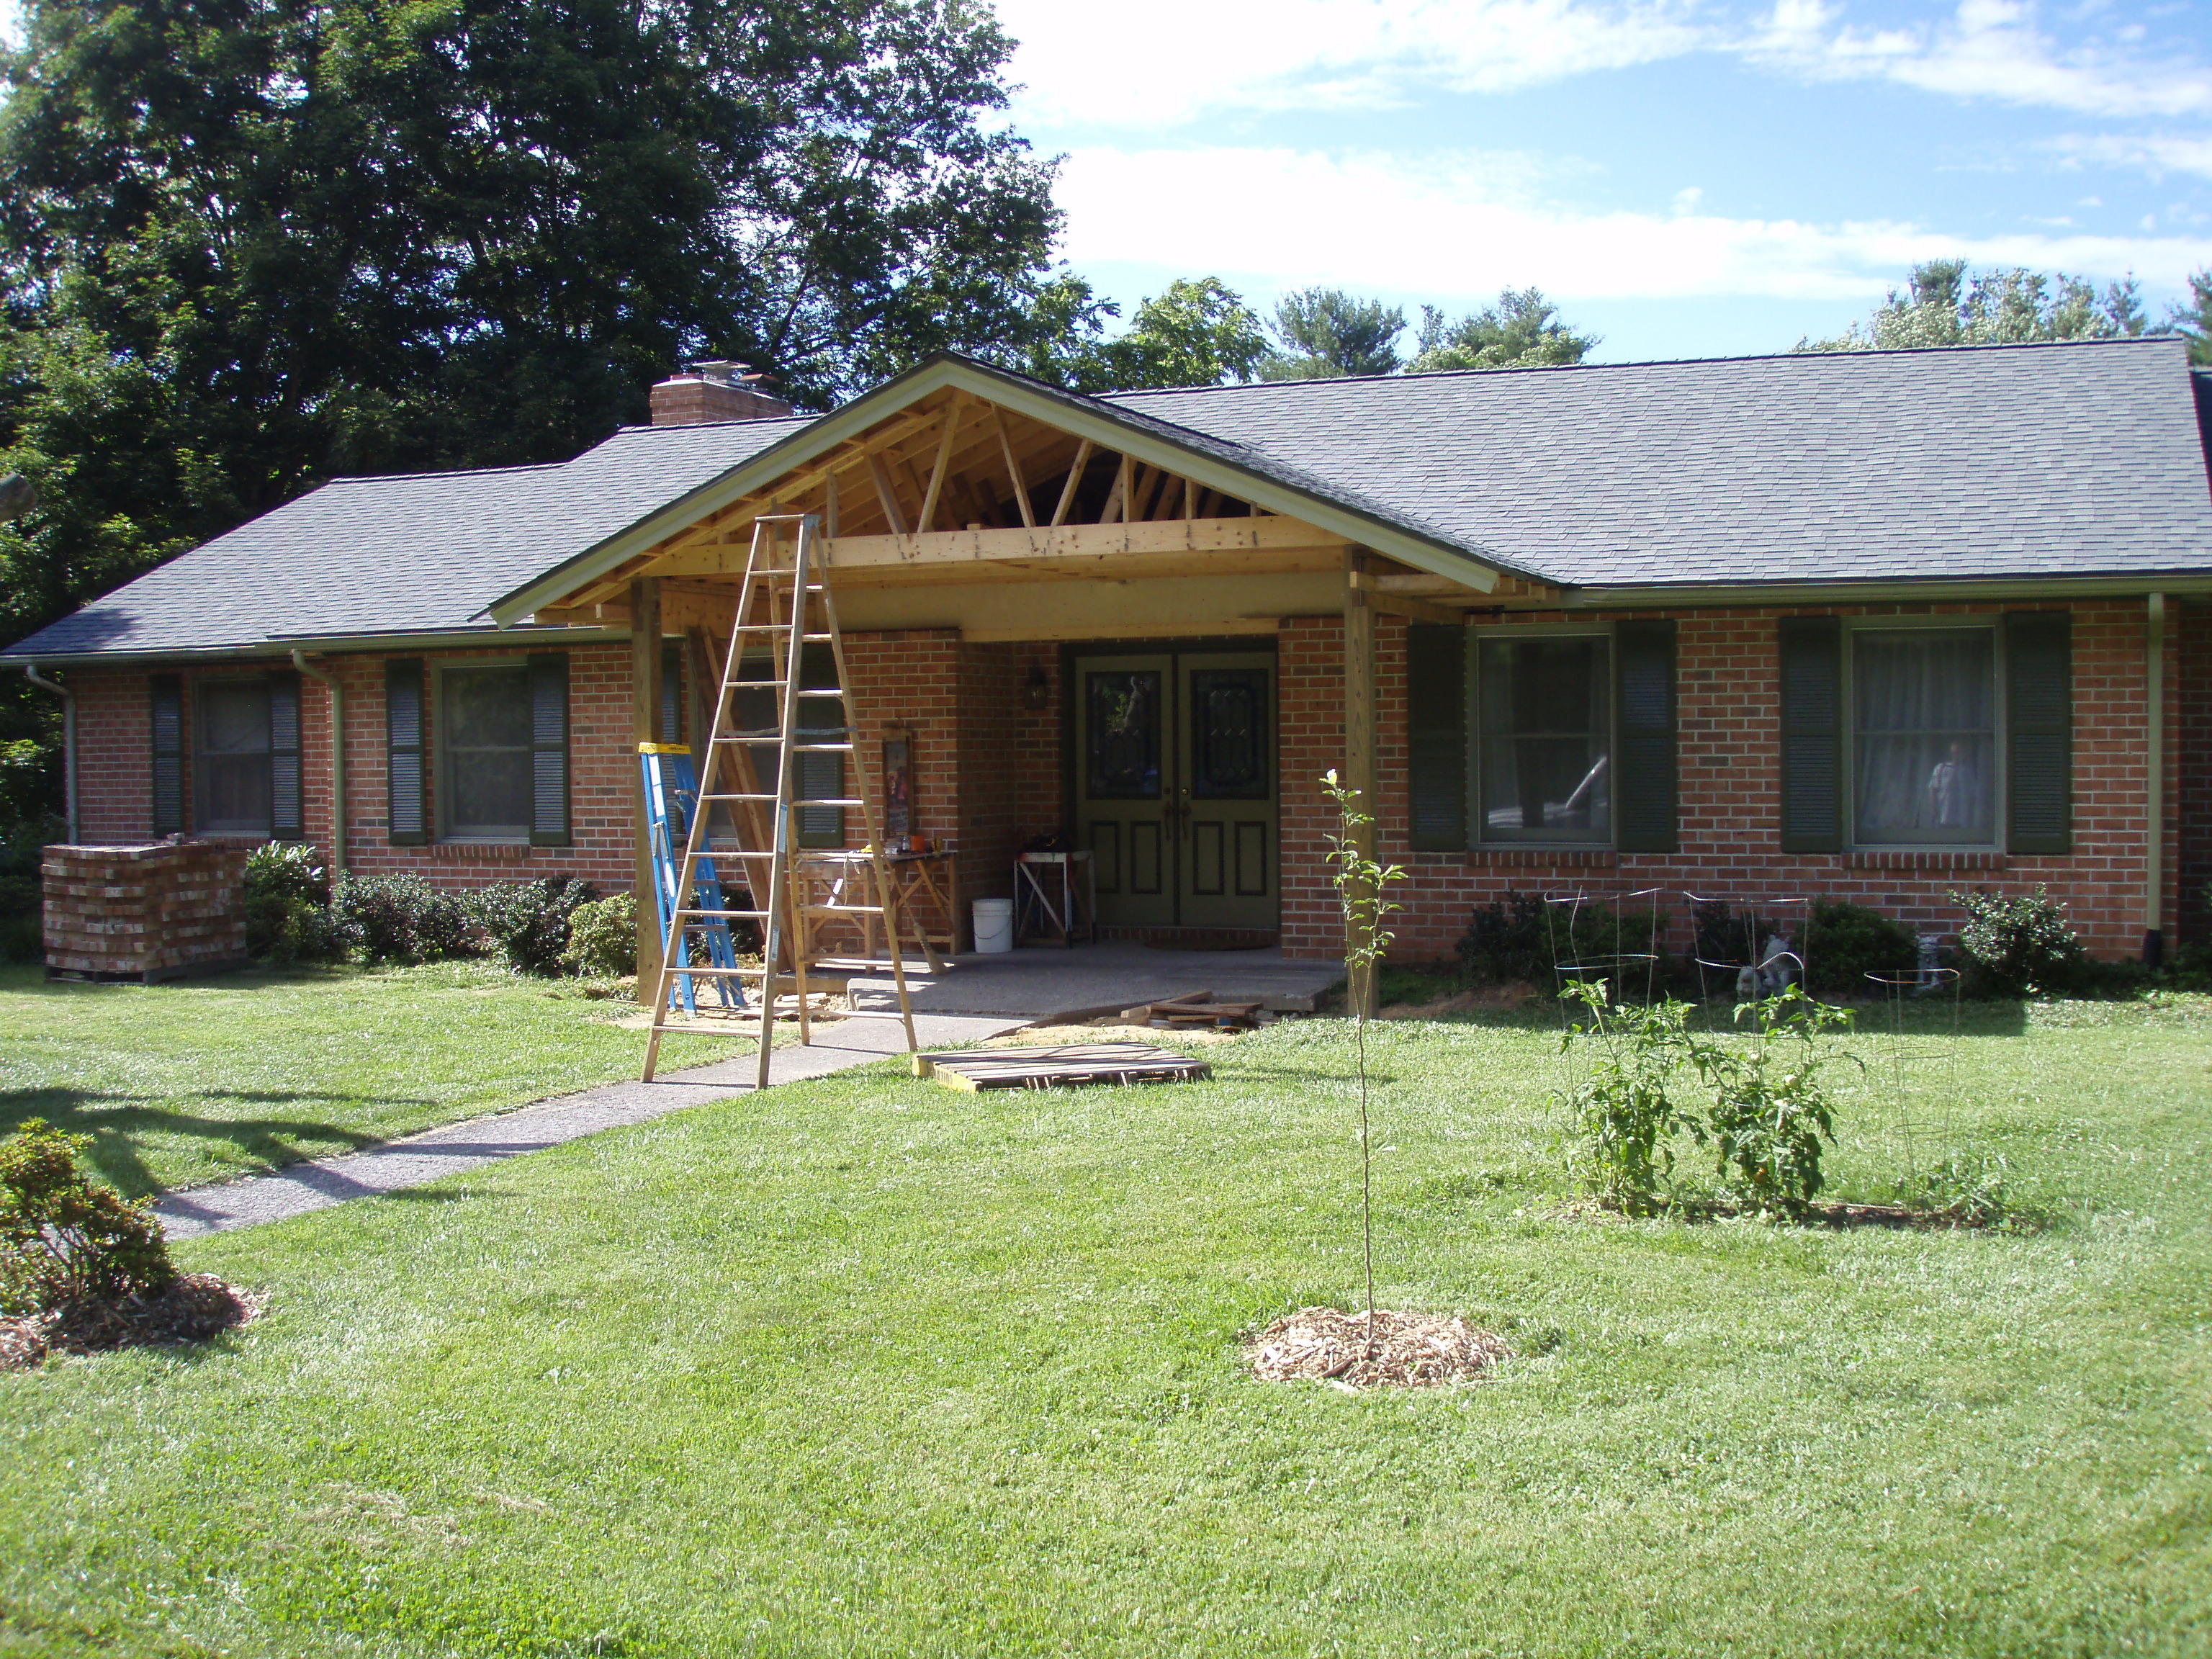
715 390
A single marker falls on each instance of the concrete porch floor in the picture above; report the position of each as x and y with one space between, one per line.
1083 981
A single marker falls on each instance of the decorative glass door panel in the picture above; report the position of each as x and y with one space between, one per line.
1174 788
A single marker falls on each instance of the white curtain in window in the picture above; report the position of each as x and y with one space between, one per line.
1925 707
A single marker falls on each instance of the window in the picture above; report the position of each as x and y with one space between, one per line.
484 781
1543 750
231 758
1924 737
821 720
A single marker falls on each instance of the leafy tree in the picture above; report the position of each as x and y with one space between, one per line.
1946 303
1323 333
2194 321
1521 330
1199 332
245 244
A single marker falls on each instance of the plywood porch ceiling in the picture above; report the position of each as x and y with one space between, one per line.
957 489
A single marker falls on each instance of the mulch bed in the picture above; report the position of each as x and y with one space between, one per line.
1408 1350
1838 1217
196 1307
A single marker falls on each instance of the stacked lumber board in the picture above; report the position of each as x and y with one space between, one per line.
1052 1068
1193 1008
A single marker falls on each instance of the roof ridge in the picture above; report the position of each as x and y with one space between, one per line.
437 472
2145 339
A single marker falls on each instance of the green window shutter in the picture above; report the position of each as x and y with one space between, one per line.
2040 731
549 751
285 816
671 692
1811 734
1436 737
406 822
1645 749
167 694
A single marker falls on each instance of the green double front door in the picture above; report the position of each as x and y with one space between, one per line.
1174 788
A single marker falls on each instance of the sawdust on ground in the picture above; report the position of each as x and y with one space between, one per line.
1406 1350
1484 997
1054 1037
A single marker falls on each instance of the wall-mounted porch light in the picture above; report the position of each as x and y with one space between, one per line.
1036 690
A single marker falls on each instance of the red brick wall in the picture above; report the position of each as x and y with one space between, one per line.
988 776
115 768
1727 666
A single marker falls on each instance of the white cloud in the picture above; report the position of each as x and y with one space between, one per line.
1442 228
2157 155
1150 63
1994 49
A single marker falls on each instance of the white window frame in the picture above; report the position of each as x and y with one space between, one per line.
441 751
2001 715
1478 822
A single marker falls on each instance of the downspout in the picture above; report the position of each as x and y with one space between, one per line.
337 760
2153 948
69 743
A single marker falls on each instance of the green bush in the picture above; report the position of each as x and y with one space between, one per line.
1846 943
1625 1111
22 887
288 904
64 1237
2019 946
398 918
528 921
1524 937
603 939
1769 1111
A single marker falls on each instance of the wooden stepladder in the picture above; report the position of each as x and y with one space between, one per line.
783 606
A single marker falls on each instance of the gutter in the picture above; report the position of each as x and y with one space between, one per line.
2154 945
69 743
337 760
277 648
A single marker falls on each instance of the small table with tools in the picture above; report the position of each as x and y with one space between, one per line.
1055 897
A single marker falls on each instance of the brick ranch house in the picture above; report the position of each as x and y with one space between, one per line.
1869 626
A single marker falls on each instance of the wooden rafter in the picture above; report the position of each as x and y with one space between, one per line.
1013 468
927 521
1074 478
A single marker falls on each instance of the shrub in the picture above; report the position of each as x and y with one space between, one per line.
22 888
1523 936
1624 1113
62 1237
1845 943
288 895
2019 946
603 938
399 918
528 921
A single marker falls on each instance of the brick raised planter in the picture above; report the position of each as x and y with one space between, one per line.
144 913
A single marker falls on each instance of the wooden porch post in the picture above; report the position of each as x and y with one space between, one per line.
1359 722
645 688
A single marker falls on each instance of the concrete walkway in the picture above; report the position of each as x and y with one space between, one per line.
1089 981
299 1187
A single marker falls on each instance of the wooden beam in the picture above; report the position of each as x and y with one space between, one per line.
885 495
1189 499
1013 468
830 505
964 546
1398 605
1359 736
1074 478
645 685
952 414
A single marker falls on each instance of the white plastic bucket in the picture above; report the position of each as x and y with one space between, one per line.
994 925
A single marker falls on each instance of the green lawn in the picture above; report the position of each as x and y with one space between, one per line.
196 1080
867 1367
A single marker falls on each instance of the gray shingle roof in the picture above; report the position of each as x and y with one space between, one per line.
2053 460
414 553
2081 459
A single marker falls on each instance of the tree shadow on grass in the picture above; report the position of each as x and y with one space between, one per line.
120 1124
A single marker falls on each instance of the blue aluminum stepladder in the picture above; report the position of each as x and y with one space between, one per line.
671 794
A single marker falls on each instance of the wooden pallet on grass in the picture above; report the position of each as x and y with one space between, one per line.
1050 1068
1193 1008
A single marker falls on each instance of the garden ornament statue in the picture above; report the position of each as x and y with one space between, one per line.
1777 968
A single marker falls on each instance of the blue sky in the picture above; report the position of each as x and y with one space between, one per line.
1687 179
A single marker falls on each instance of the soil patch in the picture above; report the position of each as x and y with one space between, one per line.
1836 1217
1408 1350
196 1307
1483 999
1052 1036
